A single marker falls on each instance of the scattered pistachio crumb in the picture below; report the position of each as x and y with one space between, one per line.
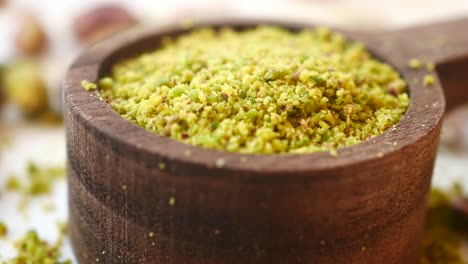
429 80
151 234
380 154
333 152
13 184
162 165
414 63
88 86
262 90
124 187
32 249
430 66
48 207
363 248
444 229
62 227
172 201
220 163
23 204
39 181
3 230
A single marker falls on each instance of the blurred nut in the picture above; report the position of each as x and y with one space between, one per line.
460 205
25 87
455 130
2 94
31 38
102 22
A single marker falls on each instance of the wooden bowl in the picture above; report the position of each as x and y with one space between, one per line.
365 206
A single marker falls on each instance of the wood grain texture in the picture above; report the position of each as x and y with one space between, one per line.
365 206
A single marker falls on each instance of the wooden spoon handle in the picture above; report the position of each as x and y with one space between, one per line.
446 45
439 43
443 44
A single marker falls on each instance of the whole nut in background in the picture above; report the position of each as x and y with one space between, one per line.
460 205
455 130
25 87
31 38
102 22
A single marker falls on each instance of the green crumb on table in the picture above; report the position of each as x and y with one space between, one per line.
3 230
444 229
414 64
88 86
41 179
31 249
162 165
429 80
38 181
48 207
263 90
151 234
13 184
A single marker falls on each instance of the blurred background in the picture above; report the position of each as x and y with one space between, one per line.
40 38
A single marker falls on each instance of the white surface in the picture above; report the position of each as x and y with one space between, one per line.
44 147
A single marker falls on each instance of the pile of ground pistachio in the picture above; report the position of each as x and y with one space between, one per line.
445 228
262 90
31 248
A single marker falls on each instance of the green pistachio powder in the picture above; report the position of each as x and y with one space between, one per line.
263 90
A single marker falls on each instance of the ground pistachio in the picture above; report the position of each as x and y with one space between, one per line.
3 230
32 249
444 229
262 90
429 80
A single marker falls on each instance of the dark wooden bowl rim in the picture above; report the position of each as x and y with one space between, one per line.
425 111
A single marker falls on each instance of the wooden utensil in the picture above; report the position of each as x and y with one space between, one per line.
365 206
